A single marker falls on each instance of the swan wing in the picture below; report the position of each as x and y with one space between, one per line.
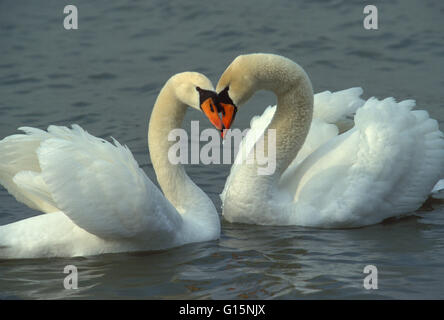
332 112
97 184
385 166
258 124
20 170
338 107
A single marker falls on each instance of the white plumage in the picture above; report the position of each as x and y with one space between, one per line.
384 166
91 189
96 197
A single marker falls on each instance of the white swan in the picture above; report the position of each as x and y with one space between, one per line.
385 166
96 198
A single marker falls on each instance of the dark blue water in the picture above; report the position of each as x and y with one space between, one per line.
106 75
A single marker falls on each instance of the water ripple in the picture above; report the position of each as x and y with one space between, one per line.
106 76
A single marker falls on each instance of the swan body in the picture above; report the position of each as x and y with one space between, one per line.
95 197
332 171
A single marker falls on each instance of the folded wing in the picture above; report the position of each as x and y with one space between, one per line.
97 184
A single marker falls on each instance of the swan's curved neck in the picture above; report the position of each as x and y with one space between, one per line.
178 188
292 119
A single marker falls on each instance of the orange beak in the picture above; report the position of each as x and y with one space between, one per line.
209 108
228 113
228 109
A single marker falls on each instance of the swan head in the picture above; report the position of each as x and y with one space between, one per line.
196 90
252 72
236 85
242 78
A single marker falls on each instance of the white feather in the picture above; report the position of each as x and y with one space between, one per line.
100 199
385 166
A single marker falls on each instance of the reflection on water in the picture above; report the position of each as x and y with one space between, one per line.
106 76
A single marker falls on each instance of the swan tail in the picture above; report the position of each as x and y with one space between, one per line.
20 172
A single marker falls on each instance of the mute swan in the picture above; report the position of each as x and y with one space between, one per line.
96 198
385 166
